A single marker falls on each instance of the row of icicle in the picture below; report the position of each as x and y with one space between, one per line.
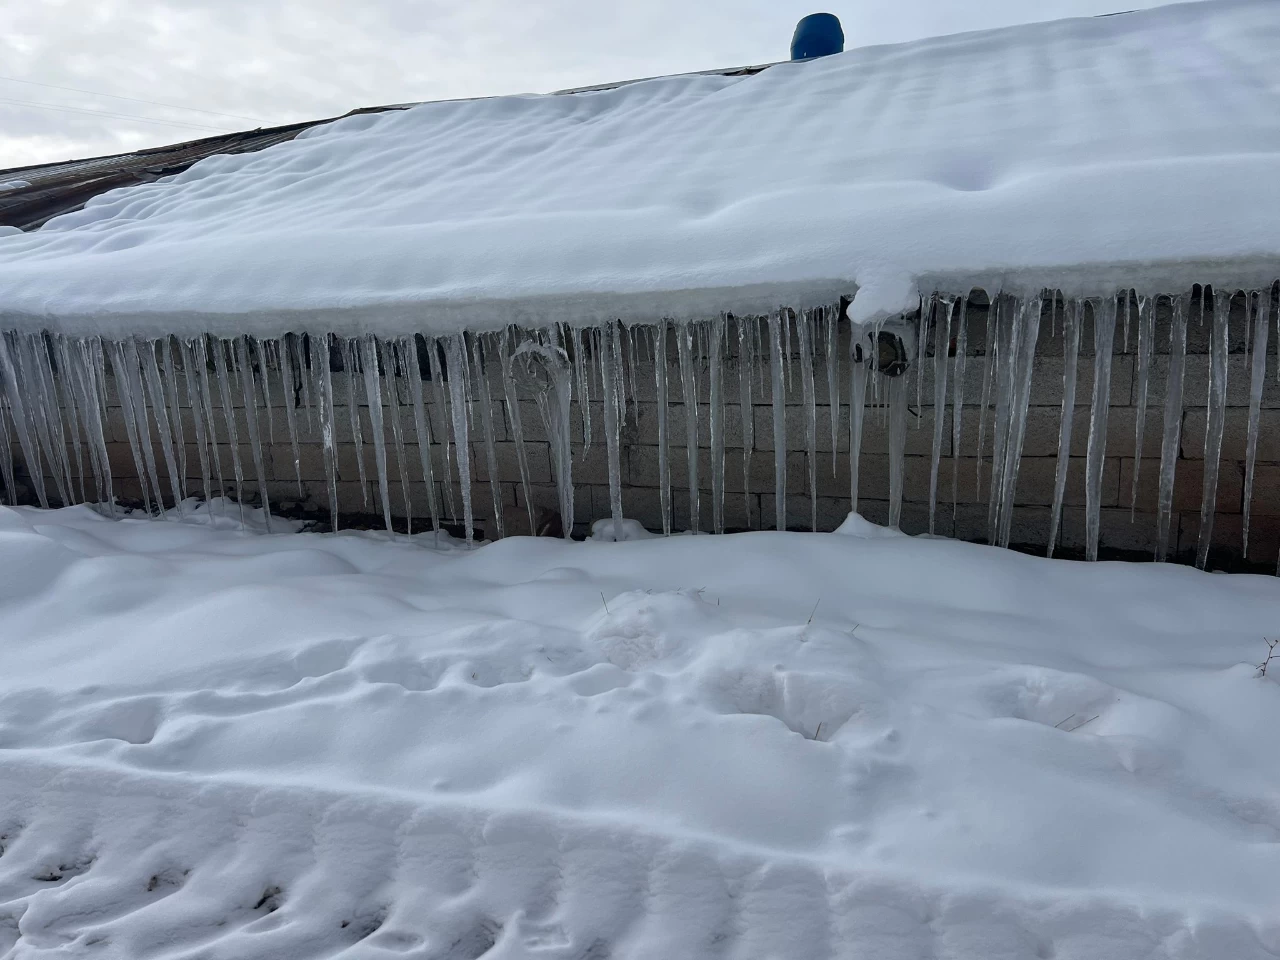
54 399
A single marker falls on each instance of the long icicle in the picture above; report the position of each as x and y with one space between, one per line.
323 378
366 351
350 362
228 415
446 419
899 394
512 401
611 384
421 424
804 332
200 351
957 404
129 386
391 366
175 419
833 380
1008 333
287 356
859 372
1104 335
941 343
480 376
1070 366
1029 323
151 371
689 388
1171 440
1261 332
70 403
251 421
776 365
988 369
715 349
1215 422
746 365
196 404
458 408
660 386
1146 341
13 386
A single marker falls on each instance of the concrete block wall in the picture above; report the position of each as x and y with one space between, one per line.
1127 530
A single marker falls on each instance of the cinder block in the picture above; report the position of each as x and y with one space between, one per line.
1188 485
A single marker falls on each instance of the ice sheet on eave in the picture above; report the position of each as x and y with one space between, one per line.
1138 149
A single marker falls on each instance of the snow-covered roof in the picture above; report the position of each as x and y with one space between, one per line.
1083 154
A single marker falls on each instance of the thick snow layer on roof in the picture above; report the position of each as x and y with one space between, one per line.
1139 149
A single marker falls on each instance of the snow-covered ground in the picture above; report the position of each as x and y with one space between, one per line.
220 743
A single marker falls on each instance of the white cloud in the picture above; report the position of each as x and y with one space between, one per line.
285 60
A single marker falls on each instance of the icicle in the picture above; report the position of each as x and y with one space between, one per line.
1172 437
1146 340
833 380
300 347
442 403
78 404
350 362
941 341
7 473
454 356
480 373
611 386
804 332
1214 425
202 369
776 365
1070 367
195 402
1029 324
787 316
286 356
1008 331
746 368
714 350
898 395
33 358
390 366
15 388
550 375
579 340
320 371
664 464
922 329
988 368
421 425
1104 333
957 404
65 397
151 371
260 357
366 351
859 371
228 415
124 364
1261 331
689 386
251 419
512 402
175 417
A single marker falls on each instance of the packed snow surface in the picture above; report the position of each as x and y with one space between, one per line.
1136 150
221 743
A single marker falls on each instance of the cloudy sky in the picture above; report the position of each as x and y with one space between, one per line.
213 66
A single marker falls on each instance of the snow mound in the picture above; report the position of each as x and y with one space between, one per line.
222 743
1135 150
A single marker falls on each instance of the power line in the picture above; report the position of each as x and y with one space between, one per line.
113 96
115 116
